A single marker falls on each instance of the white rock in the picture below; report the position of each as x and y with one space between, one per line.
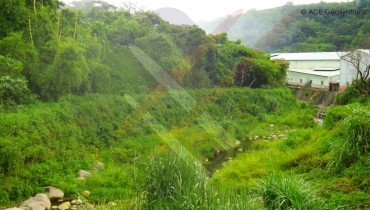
39 202
79 202
99 166
54 193
14 208
89 206
64 206
84 174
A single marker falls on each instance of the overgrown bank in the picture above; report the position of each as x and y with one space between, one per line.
47 143
268 142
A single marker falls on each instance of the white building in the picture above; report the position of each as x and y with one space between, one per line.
348 71
316 70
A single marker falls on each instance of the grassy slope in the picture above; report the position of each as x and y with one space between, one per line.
268 131
308 153
71 134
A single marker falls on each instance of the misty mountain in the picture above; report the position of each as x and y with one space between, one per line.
293 28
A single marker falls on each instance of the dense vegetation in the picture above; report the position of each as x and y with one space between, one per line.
47 51
78 86
286 29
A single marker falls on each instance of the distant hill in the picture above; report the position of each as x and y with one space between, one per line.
297 28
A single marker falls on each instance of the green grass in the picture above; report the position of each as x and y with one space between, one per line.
288 193
170 182
220 132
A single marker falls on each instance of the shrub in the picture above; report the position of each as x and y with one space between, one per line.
355 93
171 182
14 91
353 139
288 193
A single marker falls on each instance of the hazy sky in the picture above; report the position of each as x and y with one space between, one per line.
207 9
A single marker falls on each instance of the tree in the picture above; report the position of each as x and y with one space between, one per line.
14 91
13 16
260 71
13 86
360 61
162 49
69 71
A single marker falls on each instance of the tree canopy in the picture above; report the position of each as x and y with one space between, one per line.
59 50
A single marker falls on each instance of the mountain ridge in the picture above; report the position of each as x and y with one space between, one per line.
292 28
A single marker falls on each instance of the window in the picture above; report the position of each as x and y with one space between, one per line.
300 80
322 82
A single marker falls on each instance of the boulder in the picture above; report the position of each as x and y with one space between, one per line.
99 166
14 208
54 193
39 202
84 174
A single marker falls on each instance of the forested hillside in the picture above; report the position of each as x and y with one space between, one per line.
48 50
287 29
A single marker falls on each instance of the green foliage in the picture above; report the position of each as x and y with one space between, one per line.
162 49
16 47
14 91
71 51
171 182
13 16
10 66
174 183
286 29
260 71
59 138
69 71
288 193
356 92
59 52
353 139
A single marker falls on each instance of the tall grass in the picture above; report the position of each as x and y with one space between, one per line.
173 183
170 182
352 140
288 193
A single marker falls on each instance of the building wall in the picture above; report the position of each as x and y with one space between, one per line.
348 72
314 64
301 79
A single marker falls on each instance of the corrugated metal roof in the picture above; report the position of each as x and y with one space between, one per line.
366 51
318 73
325 69
311 56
